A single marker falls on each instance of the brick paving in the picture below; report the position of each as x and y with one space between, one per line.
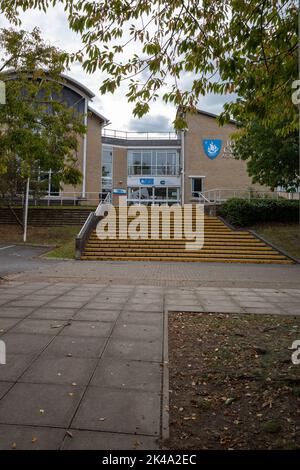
84 359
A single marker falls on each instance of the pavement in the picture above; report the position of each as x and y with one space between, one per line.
19 258
86 344
167 274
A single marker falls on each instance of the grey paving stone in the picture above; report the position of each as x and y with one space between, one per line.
184 308
141 306
4 301
25 343
39 404
30 438
222 309
27 303
60 370
271 310
66 304
293 310
137 375
51 327
85 328
77 346
105 305
140 331
134 349
265 305
97 315
97 440
126 411
4 387
7 323
143 318
54 313
15 312
15 365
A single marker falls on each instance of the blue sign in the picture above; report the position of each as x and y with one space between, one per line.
212 147
147 181
120 191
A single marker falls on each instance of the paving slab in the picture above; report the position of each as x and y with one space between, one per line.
4 387
54 313
91 440
8 323
27 303
97 315
140 331
18 343
76 346
15 312
51 327
143 318
124 411
151 307
30 437
137 375
15 365
60 370
134 349
99 305
40 404
87 328
66 304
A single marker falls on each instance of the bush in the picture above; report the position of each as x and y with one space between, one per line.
243 212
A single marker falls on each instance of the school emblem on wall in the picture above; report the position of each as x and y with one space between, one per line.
212 147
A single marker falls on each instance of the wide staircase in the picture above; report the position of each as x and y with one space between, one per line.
221 244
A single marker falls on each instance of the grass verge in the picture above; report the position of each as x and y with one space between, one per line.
285 236
62 238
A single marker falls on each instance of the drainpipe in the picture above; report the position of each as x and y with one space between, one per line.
84 149
182 168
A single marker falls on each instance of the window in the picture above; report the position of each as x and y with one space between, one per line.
197 186
173 194
153 162
107 163
160 193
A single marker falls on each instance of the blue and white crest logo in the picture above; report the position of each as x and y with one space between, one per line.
212 147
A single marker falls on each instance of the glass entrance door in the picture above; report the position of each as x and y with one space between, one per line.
153 195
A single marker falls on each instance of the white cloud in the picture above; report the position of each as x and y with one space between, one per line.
55 29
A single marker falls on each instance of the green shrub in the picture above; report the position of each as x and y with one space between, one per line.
243 212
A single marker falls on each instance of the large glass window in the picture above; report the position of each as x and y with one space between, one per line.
153 162
107 166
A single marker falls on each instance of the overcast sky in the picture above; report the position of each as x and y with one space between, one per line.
55 29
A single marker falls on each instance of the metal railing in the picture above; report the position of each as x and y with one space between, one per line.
103 205
128 135
219 195
90 224
43 198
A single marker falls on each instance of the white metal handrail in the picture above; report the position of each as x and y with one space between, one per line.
219 195
103 205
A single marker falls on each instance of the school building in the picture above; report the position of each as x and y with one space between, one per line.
151 168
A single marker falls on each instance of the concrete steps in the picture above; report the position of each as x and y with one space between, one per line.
221 244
